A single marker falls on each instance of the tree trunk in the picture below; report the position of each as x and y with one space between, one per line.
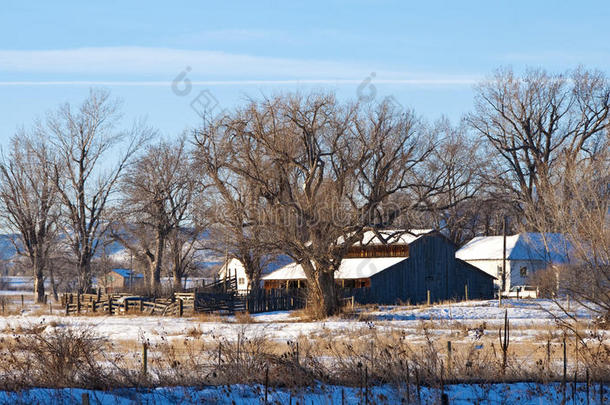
323 295
254 282
177 271
52 281
39 280
155 266
84 275
177 279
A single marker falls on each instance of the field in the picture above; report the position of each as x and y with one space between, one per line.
369 355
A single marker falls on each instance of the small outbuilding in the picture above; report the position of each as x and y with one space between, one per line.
402 268
120 279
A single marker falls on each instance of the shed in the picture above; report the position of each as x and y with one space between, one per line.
118 279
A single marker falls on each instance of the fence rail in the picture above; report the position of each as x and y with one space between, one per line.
221 297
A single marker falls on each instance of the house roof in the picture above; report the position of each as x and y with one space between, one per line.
349 269
270 263
127 273
549 247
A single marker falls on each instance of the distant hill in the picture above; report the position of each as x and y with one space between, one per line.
7 248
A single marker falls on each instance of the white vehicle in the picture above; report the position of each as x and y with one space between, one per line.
522 291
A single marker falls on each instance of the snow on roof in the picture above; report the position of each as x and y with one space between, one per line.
270 264
127 273
393 236
349 269
390 236
549 247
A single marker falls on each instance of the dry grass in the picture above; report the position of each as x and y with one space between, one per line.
73 356
244 317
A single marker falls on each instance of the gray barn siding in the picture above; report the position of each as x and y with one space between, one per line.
431 266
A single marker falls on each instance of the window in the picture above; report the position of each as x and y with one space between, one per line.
241 280
523 271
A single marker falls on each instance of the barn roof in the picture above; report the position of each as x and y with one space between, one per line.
391 237
126 273
349 269
549 247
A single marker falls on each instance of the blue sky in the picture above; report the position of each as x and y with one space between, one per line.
427 55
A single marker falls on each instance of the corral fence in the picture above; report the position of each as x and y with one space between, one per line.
219 297
113 304
274 300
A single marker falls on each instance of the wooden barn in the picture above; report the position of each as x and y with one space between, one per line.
403 269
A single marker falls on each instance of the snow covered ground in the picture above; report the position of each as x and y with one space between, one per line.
469 324
514 393
527 317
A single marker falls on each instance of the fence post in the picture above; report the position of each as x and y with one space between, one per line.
50 309
588 383
418 385
22 301
180 307
428 297
366 385
466 291
125 305
67 307
266 382
408 382
144 358
78 303
109 304
448 358
219 353
565 368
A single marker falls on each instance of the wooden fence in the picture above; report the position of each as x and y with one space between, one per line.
218 297
113 304
274 300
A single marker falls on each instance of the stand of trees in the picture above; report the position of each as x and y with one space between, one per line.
307 175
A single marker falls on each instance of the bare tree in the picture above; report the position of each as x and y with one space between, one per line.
231 209
531 121
157 192
320 173
183 246
29 202
91 154
457 159
579 205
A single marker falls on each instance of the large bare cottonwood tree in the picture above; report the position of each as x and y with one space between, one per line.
319 173
29 202
157 193
533 120
91 153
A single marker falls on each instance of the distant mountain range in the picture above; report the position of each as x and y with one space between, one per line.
114 250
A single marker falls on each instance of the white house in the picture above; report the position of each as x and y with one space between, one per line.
233 267
525 253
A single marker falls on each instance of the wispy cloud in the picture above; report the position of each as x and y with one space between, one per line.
206 67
